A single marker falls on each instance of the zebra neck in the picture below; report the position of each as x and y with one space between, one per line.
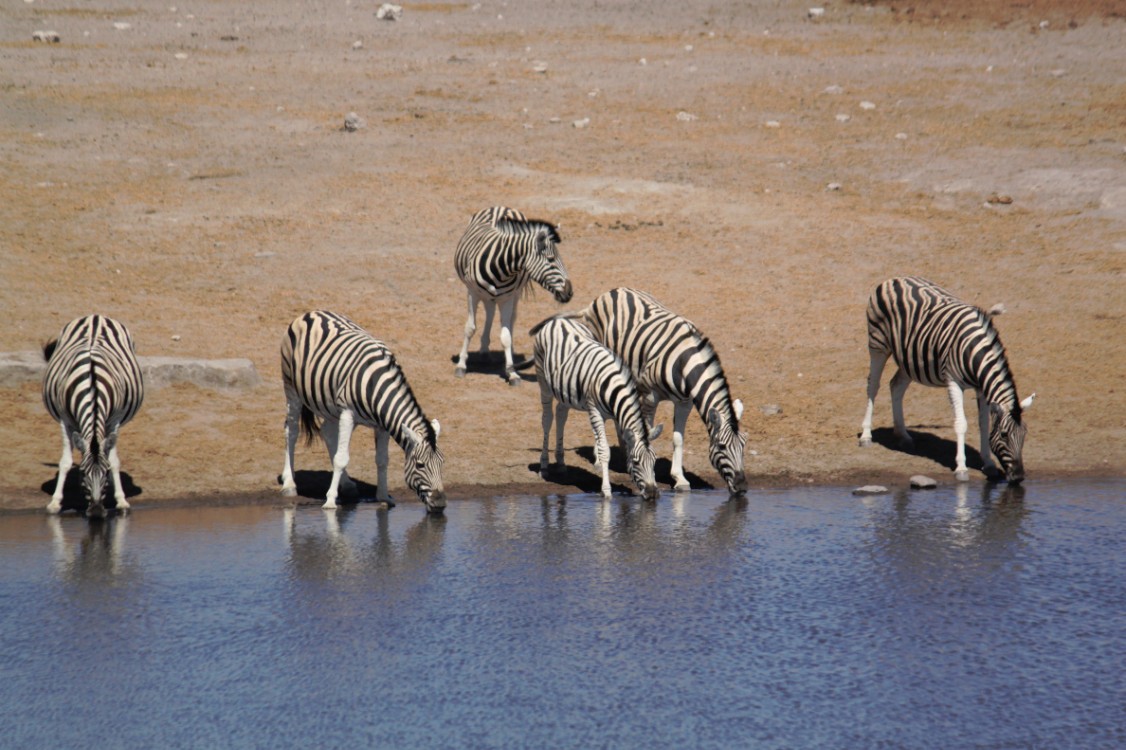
988 373
406 421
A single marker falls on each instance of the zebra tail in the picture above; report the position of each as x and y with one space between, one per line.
309 426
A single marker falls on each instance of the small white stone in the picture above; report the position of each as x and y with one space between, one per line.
181 55
358 44
643 61
834 89
921 482
685 116
51 37
867 105
773 124
842 117
1044 24
581 123
122 25
833 186
176 337
353 122
900 136
389 12
870 489
540 67
815 13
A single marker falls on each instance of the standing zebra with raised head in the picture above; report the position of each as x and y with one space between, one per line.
335 370
938 340
92 386
671 359
499 253
580 373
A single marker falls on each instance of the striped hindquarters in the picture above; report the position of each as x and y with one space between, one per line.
93 382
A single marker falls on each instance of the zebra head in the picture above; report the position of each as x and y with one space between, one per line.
95 467
1006 438
545 266
423 468
642 464
726 447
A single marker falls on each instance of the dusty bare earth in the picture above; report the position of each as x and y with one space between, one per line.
182 165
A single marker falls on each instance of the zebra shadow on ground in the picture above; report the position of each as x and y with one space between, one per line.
492 363
74 497
583 477
928 445
313 485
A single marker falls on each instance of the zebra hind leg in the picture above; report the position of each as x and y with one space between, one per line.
120 503
877 360
470 328
898 387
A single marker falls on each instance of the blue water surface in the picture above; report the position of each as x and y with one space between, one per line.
970 616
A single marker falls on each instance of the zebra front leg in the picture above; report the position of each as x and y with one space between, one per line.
546 400
961 473
601 449
341 432
120 502
65 462
507 320
382 437
292 427
681 410
898 387
876 362
983 414
561 411
331 432
470 328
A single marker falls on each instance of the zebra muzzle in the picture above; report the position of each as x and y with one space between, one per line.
564 295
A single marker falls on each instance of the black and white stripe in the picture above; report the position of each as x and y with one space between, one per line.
938 340
92 386
499 253
671 359
580 373
335 370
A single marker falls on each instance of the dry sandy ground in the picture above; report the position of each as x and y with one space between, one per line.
182 166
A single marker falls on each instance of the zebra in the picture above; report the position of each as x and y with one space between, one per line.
92 386
938 340
335 370
670 359
499 253
580 373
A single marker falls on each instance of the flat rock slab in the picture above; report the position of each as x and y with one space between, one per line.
17 368
920 482
870 489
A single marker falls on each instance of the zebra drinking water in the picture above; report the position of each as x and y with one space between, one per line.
334 370
580 373
92 386
499 253
938 340
671 359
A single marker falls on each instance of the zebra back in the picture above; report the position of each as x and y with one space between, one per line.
935 337
502 250
331 363
667 354
93 382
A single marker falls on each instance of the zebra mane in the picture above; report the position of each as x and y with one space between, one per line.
515 226
993 338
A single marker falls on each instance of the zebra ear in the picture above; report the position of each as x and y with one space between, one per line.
437 427
1028 401
655 432
738 409
713 419
544 245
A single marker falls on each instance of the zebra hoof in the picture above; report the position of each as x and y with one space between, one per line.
289 492
513 379
962 475
459 372
865 442
682 487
